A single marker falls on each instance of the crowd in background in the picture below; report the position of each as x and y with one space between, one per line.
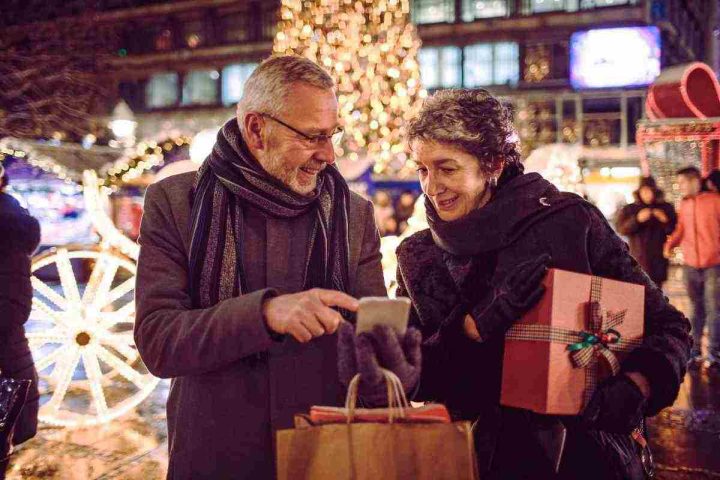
654 228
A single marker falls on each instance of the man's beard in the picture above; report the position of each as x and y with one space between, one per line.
276 166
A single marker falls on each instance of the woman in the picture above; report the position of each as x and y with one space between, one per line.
19 239
647 222
493 233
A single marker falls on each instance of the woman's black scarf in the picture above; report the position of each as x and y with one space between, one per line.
230 179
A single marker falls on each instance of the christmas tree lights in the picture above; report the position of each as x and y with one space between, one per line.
370 48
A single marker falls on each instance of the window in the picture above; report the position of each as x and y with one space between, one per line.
162 90
541 6
440 67
269 22
473 9
491 64
233 81
433 11
235 28
588 4
200 87
506 67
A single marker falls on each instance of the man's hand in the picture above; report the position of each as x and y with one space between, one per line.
306 315
660 215
644 215
667 252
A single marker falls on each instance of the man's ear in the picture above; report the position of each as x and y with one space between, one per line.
254 124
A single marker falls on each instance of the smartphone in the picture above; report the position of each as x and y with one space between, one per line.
393 312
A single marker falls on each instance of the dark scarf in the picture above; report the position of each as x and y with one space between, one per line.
230 179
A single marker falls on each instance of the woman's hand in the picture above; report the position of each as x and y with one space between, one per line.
618 405
367 353
507 303
470 329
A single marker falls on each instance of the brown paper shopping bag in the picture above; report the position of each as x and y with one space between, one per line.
393 450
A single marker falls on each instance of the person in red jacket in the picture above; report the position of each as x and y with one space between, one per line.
698 235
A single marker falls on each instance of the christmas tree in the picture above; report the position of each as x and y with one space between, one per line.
370 48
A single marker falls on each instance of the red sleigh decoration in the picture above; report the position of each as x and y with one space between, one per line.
684 91
683 105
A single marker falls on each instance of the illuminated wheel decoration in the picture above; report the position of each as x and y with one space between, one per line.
82 338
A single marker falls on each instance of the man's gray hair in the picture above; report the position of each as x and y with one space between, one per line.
271 82
471 119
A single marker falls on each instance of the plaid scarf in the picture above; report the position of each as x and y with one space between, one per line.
230 179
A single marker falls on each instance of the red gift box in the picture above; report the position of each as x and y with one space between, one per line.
576 336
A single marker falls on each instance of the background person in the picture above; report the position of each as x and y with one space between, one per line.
698 235
647 222
19 238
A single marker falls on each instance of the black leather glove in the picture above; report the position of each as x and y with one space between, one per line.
368 352
617 406
508 302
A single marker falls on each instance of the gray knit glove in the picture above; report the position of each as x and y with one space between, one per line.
368 352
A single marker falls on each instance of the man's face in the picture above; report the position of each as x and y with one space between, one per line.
294 160
689 185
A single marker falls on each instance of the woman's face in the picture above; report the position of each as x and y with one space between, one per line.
451 178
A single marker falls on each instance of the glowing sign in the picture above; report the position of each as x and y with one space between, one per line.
614 57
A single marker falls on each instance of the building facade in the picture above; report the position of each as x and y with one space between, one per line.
181 65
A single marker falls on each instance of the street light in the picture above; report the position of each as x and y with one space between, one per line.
123 124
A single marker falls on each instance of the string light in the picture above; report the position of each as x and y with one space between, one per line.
104 225
370 48
146 155
17 148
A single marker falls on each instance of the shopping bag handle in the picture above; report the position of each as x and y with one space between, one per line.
397 400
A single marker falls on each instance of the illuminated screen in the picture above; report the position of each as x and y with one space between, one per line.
614 57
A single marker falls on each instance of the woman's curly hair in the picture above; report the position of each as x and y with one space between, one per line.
473 120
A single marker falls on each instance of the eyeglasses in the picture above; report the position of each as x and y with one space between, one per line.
315 140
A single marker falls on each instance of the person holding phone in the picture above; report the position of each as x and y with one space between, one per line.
244 270
494 232
647 222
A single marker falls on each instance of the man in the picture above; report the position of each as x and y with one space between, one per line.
698 234
240 268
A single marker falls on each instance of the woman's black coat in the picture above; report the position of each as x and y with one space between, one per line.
466 375
19 237
646 239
